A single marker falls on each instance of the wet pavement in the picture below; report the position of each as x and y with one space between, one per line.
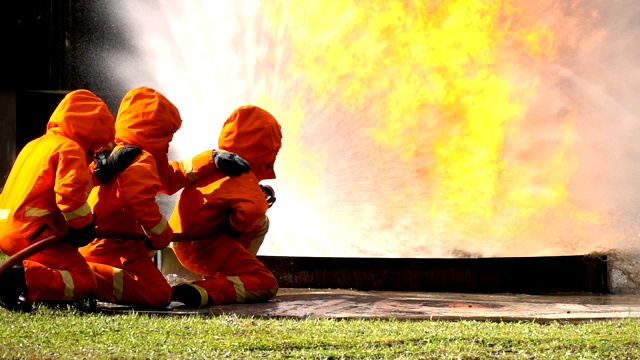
350 304
340 301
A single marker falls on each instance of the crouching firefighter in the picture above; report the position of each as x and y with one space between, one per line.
46 195
234 210
124 269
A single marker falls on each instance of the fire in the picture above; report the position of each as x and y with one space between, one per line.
411 128
442 85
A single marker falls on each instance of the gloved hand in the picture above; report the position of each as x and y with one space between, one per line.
83 236
230 163
108 167
269 194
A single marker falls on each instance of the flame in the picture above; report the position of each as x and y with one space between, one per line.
411 128
441 85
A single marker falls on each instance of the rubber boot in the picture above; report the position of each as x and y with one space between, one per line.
191 295
12 286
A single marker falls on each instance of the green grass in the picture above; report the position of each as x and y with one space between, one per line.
75 333
72 333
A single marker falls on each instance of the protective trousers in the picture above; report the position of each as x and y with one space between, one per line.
232 273
243 278
132 280
58 273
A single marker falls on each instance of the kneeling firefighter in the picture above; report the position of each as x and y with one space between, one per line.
234 209
124 269
46 195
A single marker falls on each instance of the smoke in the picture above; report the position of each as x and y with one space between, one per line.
601 78
354 181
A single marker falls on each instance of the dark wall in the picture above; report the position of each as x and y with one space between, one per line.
50 47
7 133
33 109
54 45
33 35
58 45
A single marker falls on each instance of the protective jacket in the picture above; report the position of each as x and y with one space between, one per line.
46 191
234 208
149 120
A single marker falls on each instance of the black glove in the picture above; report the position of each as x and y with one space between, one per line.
83 236
107 167
269 194
230 163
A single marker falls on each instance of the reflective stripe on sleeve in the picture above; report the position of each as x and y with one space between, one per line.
188 170
158 229
257 241
31 211
79 212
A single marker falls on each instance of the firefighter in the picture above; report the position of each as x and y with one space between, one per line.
124 269
234 208
46 195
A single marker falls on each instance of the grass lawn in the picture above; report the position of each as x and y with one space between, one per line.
73 333
77 333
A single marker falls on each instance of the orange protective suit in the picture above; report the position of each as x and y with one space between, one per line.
231 272
124 269
46 193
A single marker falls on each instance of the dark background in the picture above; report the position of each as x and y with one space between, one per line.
50 48
55 45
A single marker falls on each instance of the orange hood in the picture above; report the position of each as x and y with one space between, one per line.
147 119
84 118
254 134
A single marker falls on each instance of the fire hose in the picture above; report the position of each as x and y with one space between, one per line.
18 257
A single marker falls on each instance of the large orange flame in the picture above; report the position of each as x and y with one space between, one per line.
440 86
411 128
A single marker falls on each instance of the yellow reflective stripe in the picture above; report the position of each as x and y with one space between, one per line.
188 170
262 295
31 211
69 286
79 212
257 241
204 296
4 214
118 284
158 229
239 286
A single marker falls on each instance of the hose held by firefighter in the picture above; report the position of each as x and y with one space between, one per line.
124 269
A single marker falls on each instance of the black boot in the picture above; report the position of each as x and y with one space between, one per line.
12 286
190 295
